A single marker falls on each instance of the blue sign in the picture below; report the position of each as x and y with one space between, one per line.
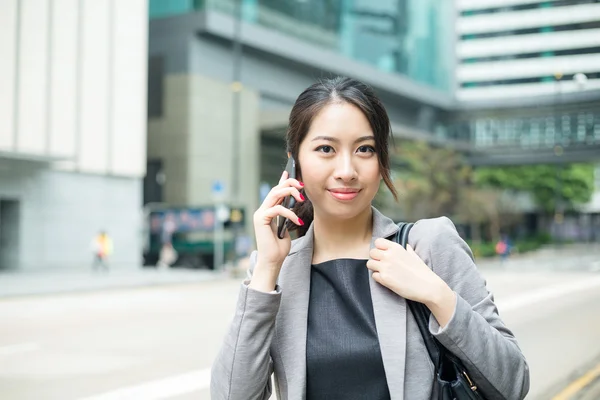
218 187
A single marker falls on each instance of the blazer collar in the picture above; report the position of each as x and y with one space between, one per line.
389 310
382 227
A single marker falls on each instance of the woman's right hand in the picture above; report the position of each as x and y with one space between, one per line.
272 250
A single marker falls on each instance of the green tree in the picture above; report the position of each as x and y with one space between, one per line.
431 181
575 182
437 181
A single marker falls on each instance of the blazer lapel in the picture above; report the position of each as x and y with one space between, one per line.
390 318
293 316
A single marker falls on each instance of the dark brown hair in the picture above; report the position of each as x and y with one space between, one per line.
312 101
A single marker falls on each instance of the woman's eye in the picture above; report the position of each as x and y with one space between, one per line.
325 149
366 149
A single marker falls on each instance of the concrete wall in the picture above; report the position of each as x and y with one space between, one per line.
168 138
194 140
60 212
73 83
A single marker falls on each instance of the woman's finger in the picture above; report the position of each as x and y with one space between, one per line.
376 277
277 194
383 244
376 254
284 176
280 210
374 265
292 182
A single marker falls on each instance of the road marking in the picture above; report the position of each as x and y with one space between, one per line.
18 348
200 379
578 384
160 389
546 293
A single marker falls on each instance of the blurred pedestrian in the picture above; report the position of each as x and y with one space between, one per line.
167 257
327 312
169 227
503 248
102 248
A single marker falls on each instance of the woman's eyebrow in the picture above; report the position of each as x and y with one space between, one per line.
332 139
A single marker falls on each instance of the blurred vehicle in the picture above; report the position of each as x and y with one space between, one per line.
190 231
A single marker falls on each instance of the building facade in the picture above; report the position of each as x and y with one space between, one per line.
513 48
441 68
528 80
72 130
402 48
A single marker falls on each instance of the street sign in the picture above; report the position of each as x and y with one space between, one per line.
218 189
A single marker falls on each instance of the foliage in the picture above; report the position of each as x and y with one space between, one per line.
431 182
437 181
488 249
575 182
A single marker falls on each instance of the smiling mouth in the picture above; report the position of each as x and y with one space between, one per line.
344 194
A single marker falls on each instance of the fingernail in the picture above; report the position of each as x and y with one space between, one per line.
300 222
301 183
302 197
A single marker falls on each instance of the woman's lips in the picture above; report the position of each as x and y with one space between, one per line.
344 195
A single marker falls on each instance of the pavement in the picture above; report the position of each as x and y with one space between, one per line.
66 281
584 384
567 257
153 334
580 257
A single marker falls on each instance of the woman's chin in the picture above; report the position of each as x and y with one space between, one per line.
343 211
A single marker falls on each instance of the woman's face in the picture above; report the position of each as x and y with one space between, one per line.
338 162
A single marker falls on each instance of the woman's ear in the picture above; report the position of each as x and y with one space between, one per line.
289 154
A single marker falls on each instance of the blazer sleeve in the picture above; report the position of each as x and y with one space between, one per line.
243 367
475 332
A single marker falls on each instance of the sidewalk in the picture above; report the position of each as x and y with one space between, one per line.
578 257
568 257
62 281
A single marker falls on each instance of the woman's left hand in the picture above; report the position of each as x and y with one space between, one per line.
402 271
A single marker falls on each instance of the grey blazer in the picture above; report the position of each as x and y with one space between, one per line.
268 332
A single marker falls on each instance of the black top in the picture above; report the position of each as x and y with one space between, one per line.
343 357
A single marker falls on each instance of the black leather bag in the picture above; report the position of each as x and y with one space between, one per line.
452 379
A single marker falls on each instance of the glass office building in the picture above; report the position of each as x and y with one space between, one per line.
525 48
410 37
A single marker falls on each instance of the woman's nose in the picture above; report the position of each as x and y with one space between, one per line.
345 169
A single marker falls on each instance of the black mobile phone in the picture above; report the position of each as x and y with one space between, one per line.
289 201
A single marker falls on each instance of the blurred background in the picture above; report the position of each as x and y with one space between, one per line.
137 137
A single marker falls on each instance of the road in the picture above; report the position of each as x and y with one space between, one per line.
159 342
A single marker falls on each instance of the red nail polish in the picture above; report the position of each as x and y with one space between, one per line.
300 222
302 197
301 183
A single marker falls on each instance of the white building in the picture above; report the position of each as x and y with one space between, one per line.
72 130
514 48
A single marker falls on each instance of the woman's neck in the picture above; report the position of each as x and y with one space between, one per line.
342 238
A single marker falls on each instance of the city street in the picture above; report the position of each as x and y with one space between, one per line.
143 146
158 342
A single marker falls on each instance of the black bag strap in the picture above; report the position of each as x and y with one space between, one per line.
442 358
420 311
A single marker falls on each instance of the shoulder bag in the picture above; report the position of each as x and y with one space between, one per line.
451 377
